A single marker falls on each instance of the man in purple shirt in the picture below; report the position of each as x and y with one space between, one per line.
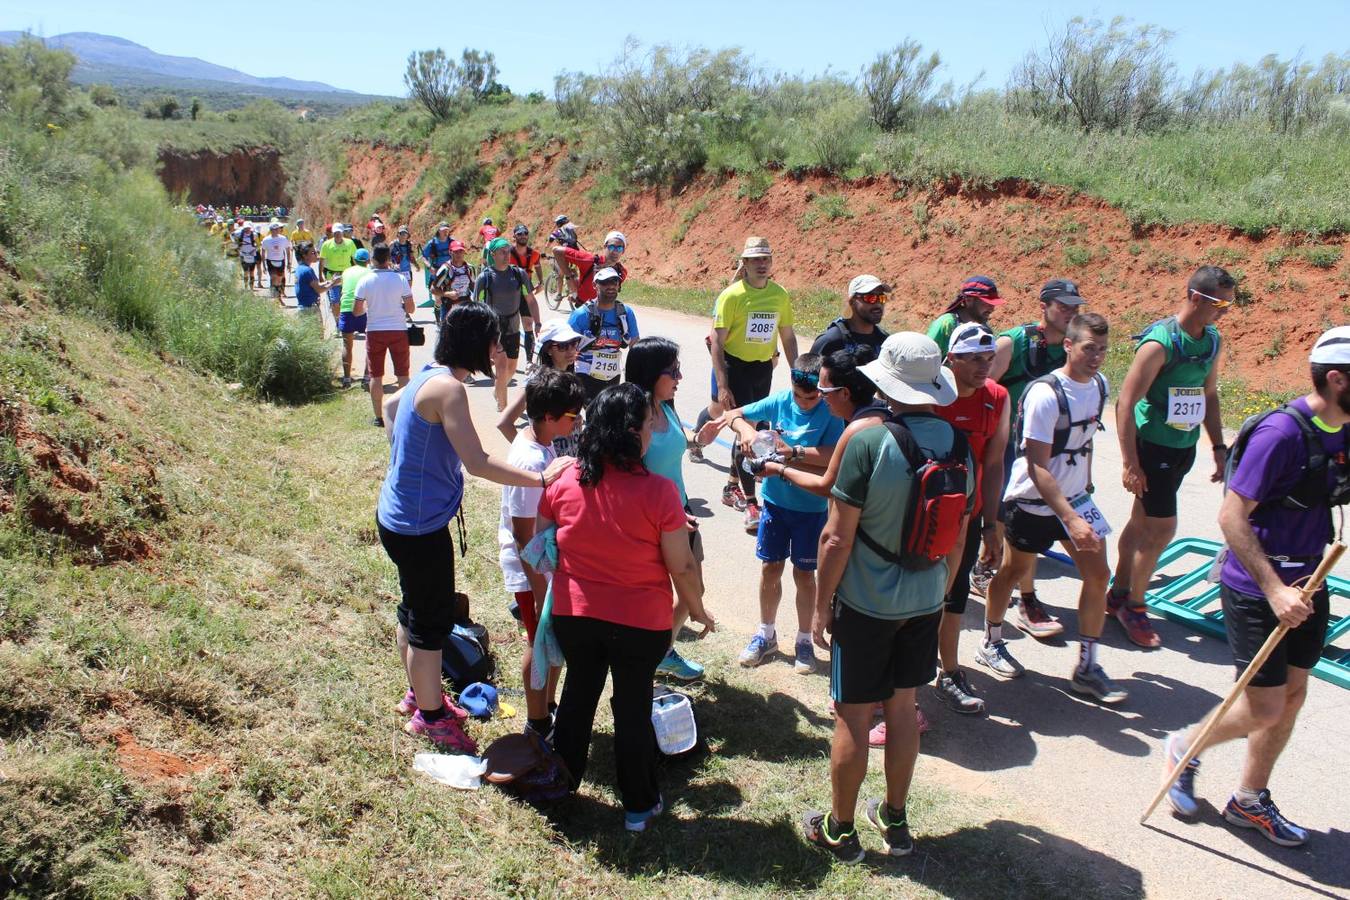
1276 519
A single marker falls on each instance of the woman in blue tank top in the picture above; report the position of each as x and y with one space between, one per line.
653 364
431 433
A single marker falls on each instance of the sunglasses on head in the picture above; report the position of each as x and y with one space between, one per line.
808 380
872 298
1214 301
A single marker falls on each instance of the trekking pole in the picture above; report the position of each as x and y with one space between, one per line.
1333 556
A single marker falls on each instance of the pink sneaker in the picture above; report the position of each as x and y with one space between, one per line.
445 731
408 705
877 736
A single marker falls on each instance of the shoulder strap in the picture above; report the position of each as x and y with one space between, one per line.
1317 454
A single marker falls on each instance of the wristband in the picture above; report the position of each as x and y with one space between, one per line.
542 482
1223 447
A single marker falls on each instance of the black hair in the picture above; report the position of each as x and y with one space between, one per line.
468 336
610 438
844 372
379 254
1320 371
647 358
303 249
807 363
551 393
1083 324
1210 279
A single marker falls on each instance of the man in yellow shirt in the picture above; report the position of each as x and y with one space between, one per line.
300 233
752 316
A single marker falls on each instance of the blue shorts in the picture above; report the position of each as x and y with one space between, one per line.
351 323
785 533
335 293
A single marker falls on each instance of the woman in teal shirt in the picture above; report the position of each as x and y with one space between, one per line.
653 364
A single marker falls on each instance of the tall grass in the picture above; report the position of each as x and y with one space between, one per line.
111 243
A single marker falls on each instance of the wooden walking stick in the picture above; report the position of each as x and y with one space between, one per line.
1333 556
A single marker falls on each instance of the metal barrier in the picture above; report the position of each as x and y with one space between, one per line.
1171 600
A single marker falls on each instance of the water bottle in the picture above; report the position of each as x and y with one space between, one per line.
763 444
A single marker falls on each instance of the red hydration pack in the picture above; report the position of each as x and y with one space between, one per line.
938 498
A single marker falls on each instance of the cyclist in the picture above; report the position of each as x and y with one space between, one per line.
610 326
564 233
582 284
527 259
453 282
975 302
487 232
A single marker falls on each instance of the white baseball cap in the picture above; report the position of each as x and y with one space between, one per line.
971 337
910 370
559 331
866 284
616 237
1333 347
608 273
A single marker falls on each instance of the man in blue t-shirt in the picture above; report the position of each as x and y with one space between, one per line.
791 519
308 287
1276 519
612 326
436 252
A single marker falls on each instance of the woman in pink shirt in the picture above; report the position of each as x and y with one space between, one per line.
622 538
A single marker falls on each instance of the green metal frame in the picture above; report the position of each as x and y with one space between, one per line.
1334 666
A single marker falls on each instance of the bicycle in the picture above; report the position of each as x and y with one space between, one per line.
556 282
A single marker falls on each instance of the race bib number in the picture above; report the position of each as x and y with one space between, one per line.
1087 509
1185 407
761 327
604 364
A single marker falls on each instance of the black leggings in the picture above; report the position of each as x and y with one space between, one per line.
960 592
748 382
594 649
426 575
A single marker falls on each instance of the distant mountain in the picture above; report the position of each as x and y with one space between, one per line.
104 58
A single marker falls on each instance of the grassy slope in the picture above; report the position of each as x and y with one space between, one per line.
255 646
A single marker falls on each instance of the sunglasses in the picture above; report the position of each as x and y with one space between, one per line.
1214 301
805 379
827 391
571 415
615 248
569 345
673 372
872 299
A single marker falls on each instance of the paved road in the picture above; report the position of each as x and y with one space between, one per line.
1083 771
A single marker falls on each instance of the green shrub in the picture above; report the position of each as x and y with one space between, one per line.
1324 257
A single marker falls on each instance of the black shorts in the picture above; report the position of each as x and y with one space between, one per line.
426 577
748 381
249 266
871 658
511 344
593 386
1249 620
276 270
1164 470
1029 532
960 592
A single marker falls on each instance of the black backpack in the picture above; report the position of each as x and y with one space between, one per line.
1064 425
594 321
1311 490
1038 361
465 658
1178 356
850 342
938 498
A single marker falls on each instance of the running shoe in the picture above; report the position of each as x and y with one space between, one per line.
895 839
346 381
804 662
1181 795
1136 623
638 822
1033 618
679 668
1265 817
445 731
378 422
980 576
844 847
695 451
408 705
751 517
759 649
956 692
1095 683
733 496
877 736
999 658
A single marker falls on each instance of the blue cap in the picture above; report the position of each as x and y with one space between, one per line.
362 255
479 699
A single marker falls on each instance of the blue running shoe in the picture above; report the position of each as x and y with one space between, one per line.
1265 817
638 821
679 668
758 650
1181 795
804 658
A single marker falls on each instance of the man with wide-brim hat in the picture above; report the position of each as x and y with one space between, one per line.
882 613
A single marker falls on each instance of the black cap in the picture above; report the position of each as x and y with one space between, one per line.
1063 291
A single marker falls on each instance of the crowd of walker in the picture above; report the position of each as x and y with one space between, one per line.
983 460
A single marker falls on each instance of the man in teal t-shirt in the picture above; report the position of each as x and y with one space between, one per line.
791 518
1170 391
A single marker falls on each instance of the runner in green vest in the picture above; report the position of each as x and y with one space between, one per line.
1171 389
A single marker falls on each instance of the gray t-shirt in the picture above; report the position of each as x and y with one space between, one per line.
503 291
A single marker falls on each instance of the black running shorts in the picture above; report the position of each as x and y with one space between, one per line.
1249 620
1164 470
1028 532
871 658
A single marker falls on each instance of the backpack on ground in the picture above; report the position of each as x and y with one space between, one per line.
594 320
938 498
1065 424
465 658
525 767
1311 490
1179 356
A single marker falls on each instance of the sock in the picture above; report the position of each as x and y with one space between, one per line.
540 726
1087 653
1025 594
993 631
804 636
435 715
767 632
1246 796
834 830
1118 594
893 816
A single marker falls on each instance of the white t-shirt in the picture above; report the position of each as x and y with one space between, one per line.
274 248
1042 412
384 290
520 503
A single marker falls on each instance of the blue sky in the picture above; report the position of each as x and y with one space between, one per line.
533 41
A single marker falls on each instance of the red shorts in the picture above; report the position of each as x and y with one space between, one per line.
525 603
396 342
